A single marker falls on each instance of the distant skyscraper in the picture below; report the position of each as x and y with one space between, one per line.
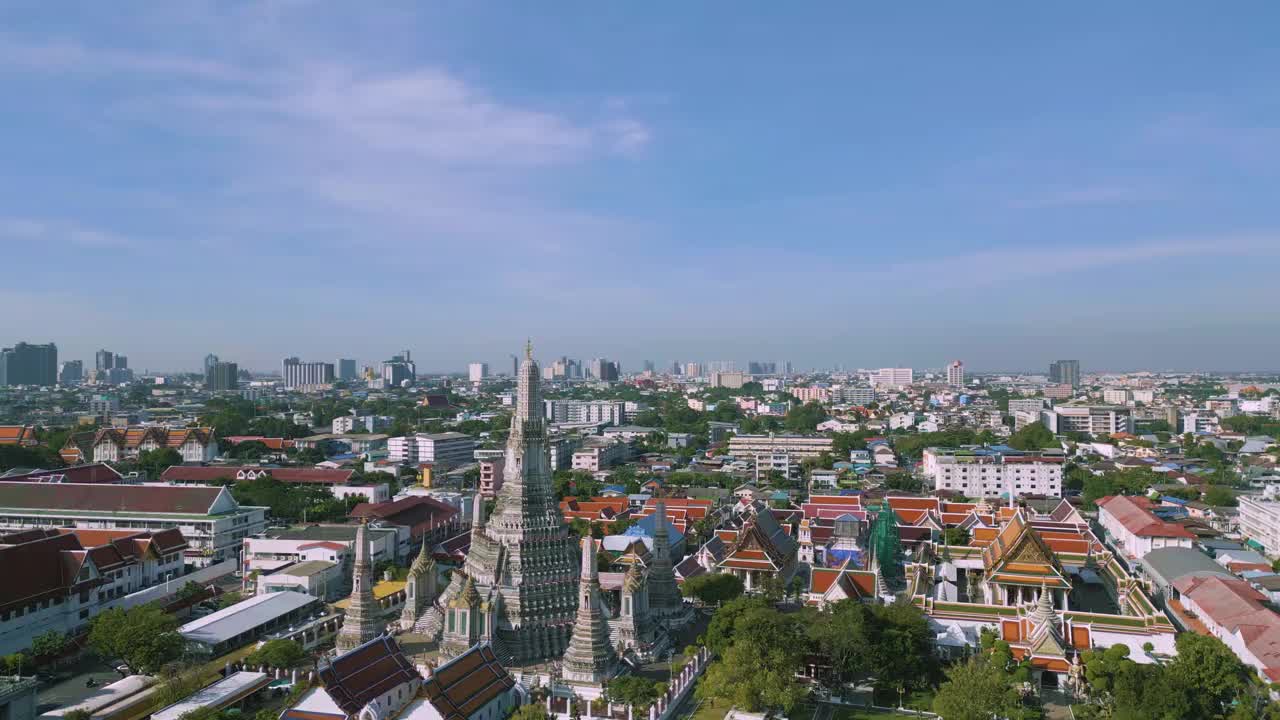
1065 372
27 364
104 360
209 361
122 363
757 367
606 370
648 366
297 373
222 376
71 373
399 369
955 374
515 365
692 370
477 372
346 369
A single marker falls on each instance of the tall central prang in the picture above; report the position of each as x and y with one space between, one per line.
522 564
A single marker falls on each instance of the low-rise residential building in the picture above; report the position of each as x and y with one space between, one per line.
983 472
278 548
599 456
1100 420
319 578
491 476
1135 529
60 579
1235 613
444 450
117 444
799 446
210 519
1260 522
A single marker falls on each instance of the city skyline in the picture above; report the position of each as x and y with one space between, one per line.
1007 188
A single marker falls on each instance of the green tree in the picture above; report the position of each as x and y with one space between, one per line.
977 689
1033 437
278 653
48 644
955 536
226 600
805 418
1209 671
713 588
155 462
1219 496
632 690
755 676
532 711
144 637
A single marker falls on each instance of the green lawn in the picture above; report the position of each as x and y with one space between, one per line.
847 713
712 710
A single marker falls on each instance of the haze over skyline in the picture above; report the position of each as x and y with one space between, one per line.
825 185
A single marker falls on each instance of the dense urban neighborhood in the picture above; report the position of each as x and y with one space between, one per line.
569 539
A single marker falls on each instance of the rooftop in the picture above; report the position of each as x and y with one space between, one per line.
226 691
244 616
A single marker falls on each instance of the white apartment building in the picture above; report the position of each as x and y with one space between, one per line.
210 519
800 446
1030 405
278 548
302 374
853 394
1092 419
601 455
989 474
344 424
612 412
450 449
1260 520
1116 396
1144 396
477 372
1200 422
99 570
730 379
955 374
892 377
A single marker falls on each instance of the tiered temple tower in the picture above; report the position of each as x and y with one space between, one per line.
665 603
362 622
522 564
590 658
420 588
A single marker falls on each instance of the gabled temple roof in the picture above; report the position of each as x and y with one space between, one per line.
467 683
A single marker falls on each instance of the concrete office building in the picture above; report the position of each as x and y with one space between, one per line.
1065 372
613 412
477 372
222 376
346 369
1099 420
399 370
1029 405
983 473
71 373
955 374
853 394
1260 521
302 374
732 379
210 519
444 450
799 446
892 377
27 364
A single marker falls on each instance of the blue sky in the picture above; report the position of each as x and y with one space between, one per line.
830 183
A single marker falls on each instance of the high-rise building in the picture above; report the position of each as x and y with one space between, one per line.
955 374
222 376
1065 372
347 369
758 367
399 369
122 362
71 373
27 364
892 377
104 360
692 370
299 374
209 361
602 369
477 372
649 366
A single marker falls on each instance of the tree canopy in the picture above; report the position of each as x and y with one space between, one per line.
143 638
1034 436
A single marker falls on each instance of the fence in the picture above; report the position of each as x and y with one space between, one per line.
170 587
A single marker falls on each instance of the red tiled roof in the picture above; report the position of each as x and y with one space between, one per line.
419 513
372 669
39 565
211 473
459 689
1134 513
108 498
17 435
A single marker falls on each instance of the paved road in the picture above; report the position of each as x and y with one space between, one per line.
68 687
